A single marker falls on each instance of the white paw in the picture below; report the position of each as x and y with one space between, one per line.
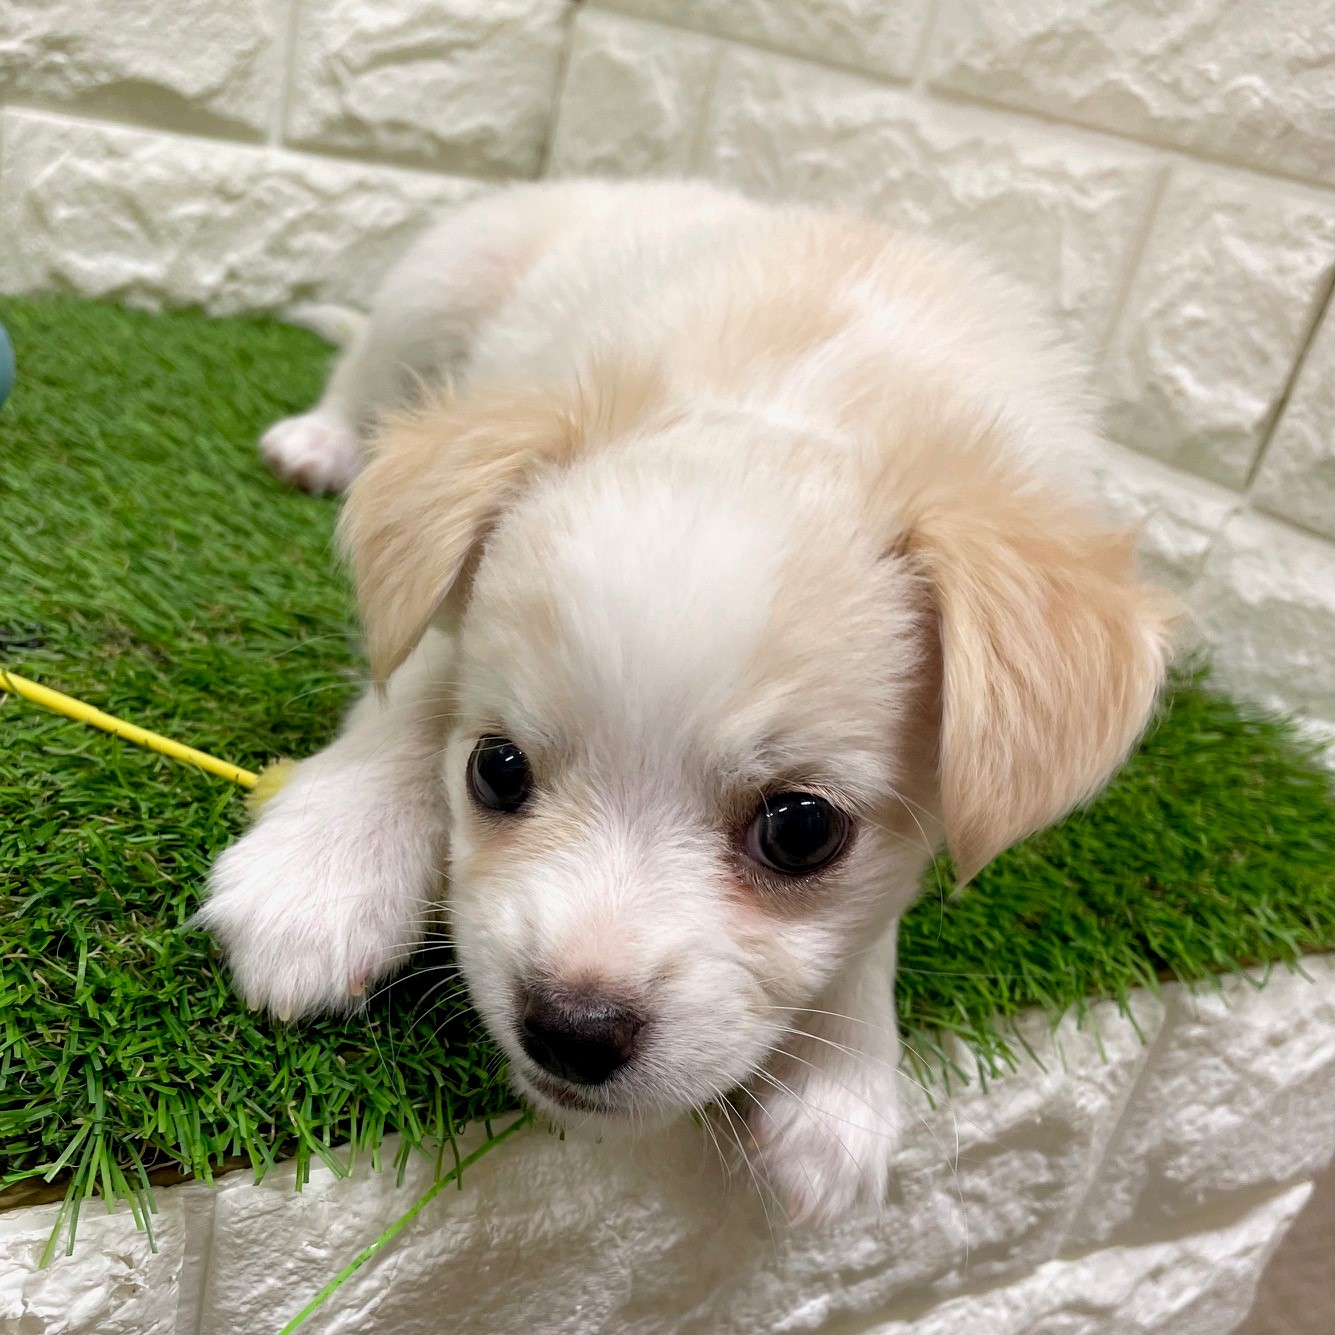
323 896
317 452
825 1149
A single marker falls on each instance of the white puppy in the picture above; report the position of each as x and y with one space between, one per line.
716 564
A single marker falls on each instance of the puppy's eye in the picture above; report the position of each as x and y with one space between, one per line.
498 774
796 833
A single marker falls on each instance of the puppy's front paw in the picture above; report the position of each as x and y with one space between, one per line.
824 1148
317 452
312 906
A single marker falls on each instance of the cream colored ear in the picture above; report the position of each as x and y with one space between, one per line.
438 478
1053 654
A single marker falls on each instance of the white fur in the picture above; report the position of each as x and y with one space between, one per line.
669 627
331 889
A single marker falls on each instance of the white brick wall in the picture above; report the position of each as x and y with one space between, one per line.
1117 1188
1165 174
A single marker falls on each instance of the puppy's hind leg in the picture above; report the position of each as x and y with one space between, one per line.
319 451
421 328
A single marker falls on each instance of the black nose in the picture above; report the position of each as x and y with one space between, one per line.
581 1036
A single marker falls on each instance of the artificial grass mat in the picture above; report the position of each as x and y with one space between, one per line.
153 568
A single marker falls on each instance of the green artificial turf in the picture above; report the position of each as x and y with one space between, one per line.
152 567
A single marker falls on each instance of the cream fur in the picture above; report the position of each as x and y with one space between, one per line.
705 500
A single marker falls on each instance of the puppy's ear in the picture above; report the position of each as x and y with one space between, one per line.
438 479
1052 650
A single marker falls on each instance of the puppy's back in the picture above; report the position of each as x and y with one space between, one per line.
820 316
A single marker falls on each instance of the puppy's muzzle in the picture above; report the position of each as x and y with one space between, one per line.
583 1037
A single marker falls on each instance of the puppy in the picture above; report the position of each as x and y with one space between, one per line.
717 564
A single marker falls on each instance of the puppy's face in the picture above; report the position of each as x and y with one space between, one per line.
720 690
686 780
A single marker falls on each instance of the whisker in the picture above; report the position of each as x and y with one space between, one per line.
822 1118
751 1094
706 1121
761 1192
951 1164
796 1031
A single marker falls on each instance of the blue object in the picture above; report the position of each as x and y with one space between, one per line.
6 365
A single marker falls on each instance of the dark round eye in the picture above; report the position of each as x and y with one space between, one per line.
796 833
498 774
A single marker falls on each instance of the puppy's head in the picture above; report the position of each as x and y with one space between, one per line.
719 690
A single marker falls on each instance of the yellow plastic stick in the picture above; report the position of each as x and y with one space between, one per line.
76 709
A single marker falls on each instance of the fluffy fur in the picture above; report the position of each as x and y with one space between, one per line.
697 502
